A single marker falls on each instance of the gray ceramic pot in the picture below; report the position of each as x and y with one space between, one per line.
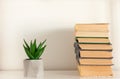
34 68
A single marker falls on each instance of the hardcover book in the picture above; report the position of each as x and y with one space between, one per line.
95 70
101 47
96 54
101 27
91 34
96 62
93 40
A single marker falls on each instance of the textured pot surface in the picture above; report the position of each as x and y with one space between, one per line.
34 68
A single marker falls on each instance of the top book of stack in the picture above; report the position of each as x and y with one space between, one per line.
101 27
91 30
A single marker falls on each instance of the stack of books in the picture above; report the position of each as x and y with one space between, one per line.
93 50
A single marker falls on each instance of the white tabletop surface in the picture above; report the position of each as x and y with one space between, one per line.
70 74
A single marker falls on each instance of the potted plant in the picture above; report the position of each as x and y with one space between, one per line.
33 66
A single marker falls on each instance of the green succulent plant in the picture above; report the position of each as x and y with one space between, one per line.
33 51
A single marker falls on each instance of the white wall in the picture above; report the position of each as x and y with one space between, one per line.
51 19
115 32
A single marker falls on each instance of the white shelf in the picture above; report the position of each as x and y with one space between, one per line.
54 75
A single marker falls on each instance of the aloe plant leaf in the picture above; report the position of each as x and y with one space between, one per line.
40 52
41 44
26 44
28 53
31 48
34 47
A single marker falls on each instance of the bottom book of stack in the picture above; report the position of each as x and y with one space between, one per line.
95 67
95 70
